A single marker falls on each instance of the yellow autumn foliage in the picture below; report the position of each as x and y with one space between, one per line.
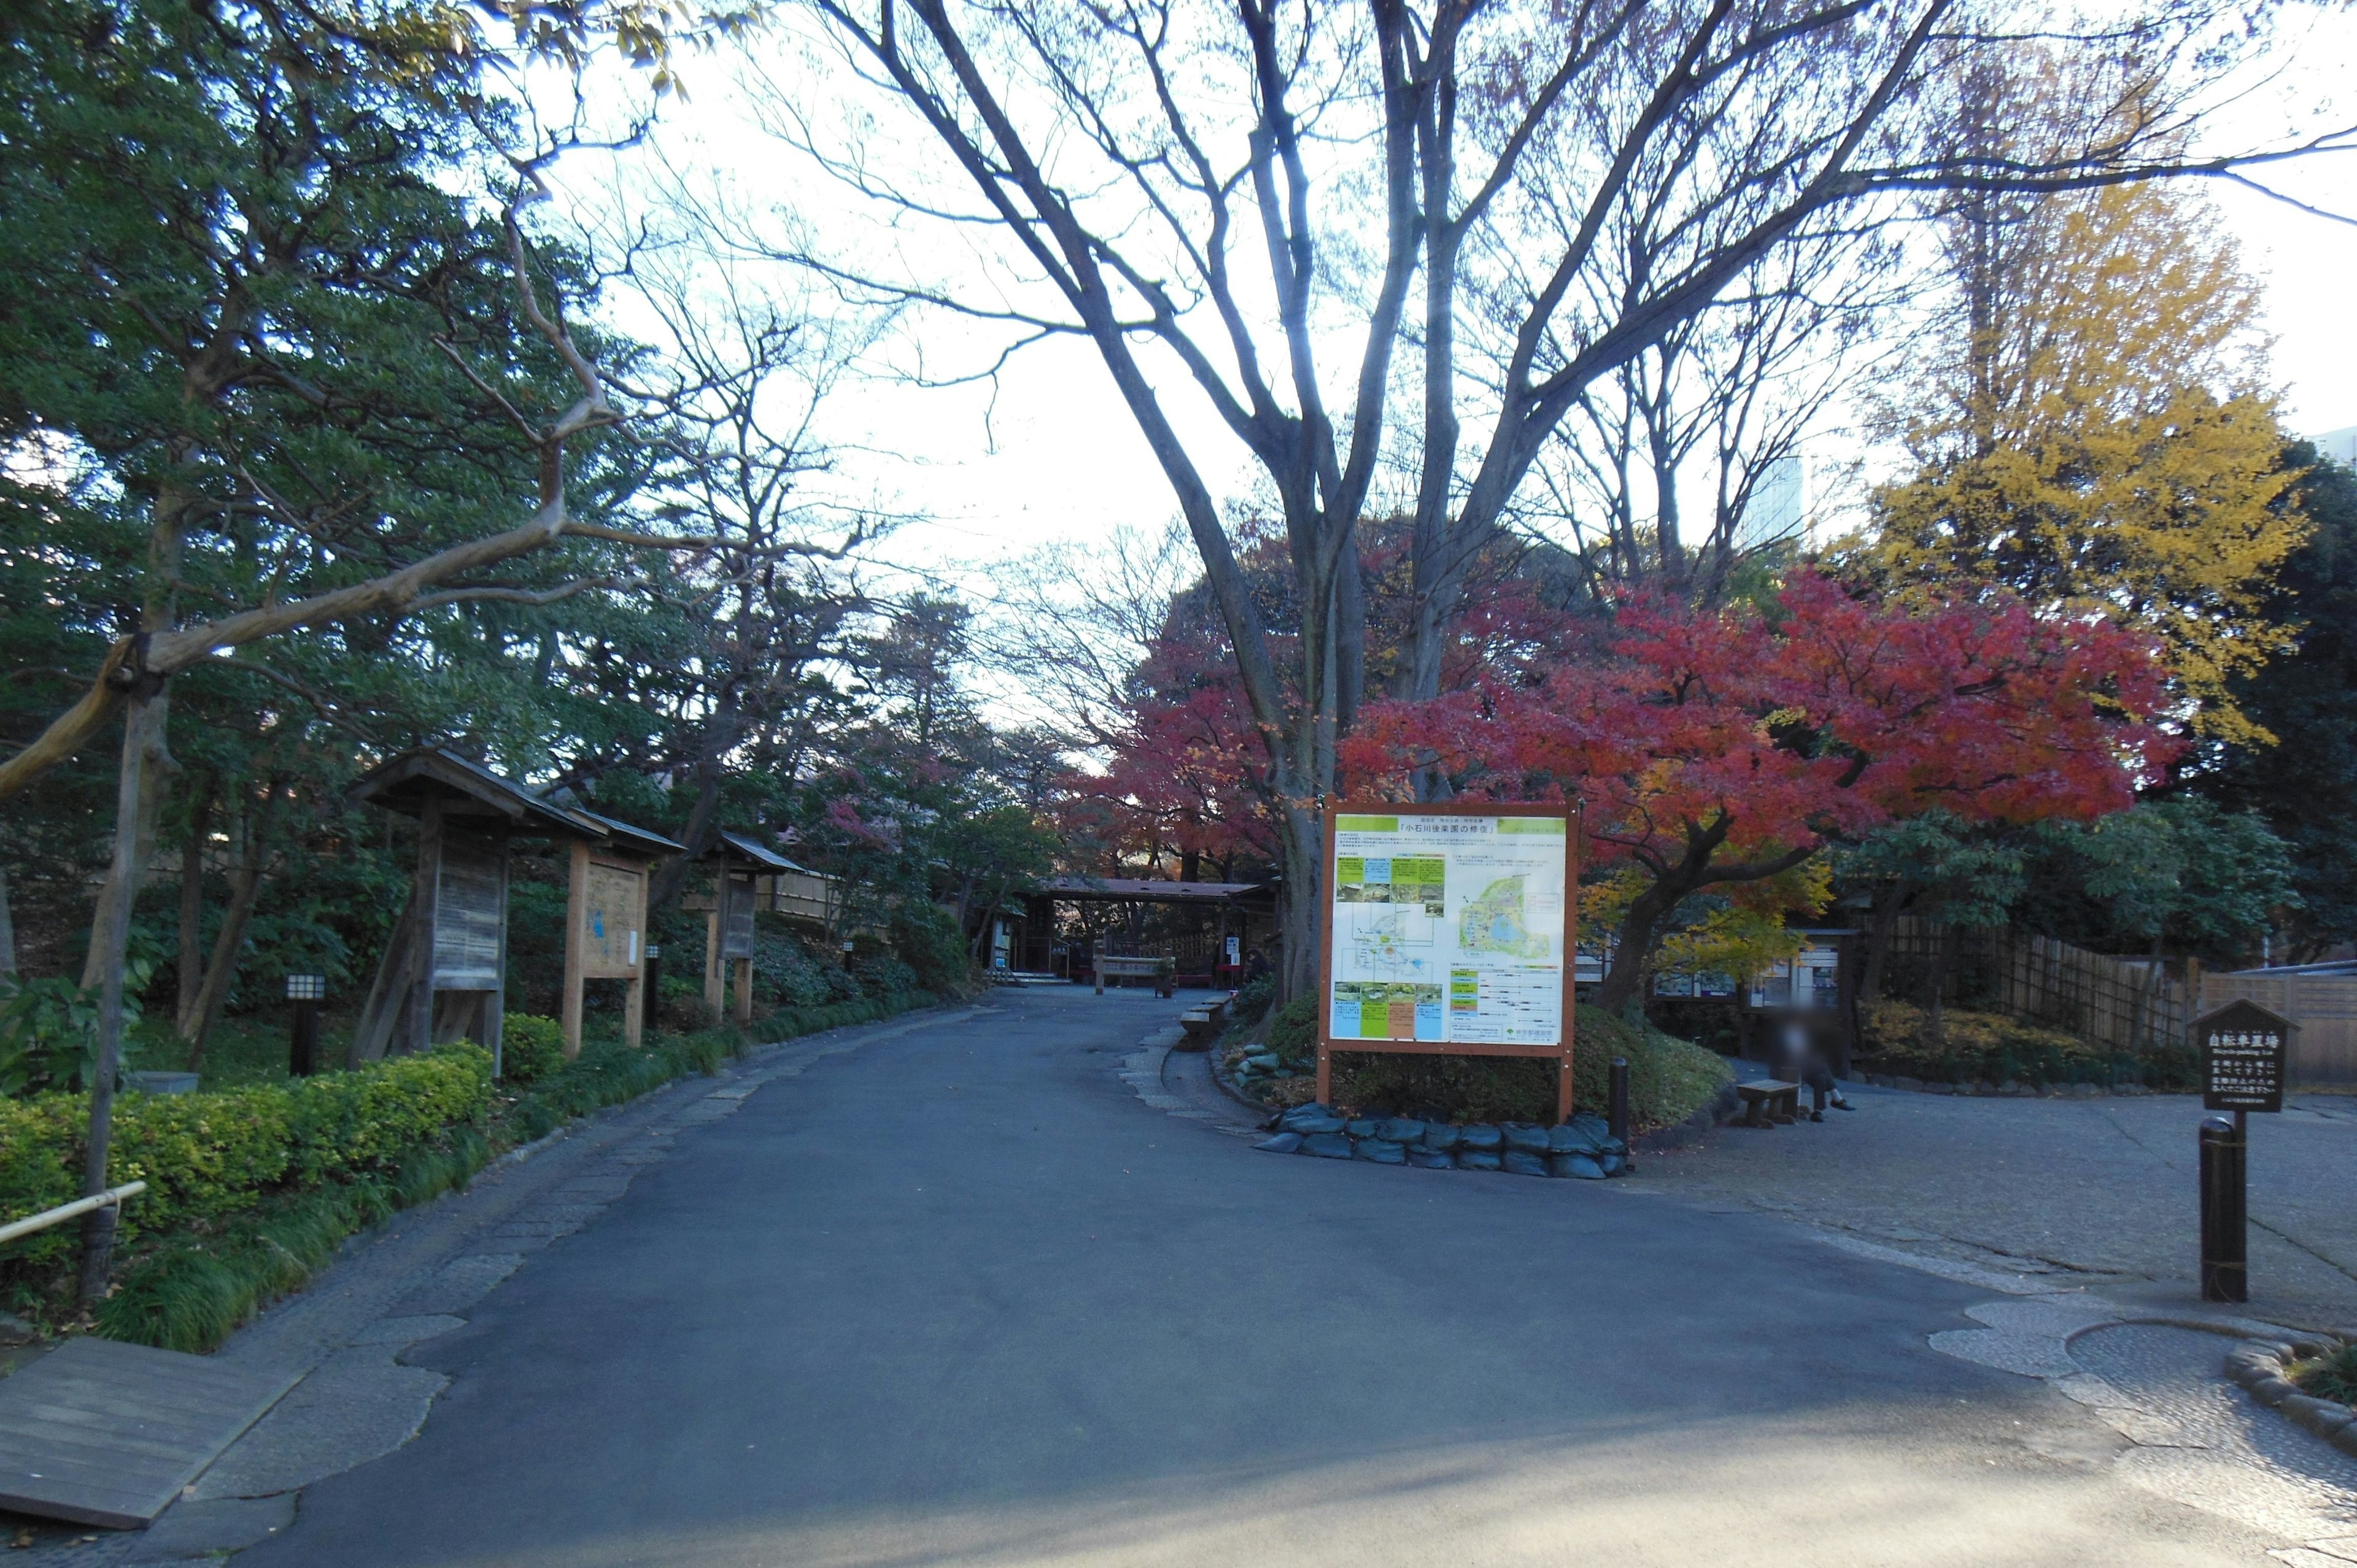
2091 433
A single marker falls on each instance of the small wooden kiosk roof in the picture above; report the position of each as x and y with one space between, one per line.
623 836
734 848
473 797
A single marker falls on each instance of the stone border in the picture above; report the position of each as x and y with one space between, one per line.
2259 1366
1724 1106
2012 1089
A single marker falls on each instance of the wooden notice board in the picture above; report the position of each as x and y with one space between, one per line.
604 935
1448 931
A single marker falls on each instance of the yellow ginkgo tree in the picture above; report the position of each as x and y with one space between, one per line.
2089 428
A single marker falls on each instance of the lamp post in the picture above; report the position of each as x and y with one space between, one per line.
305 991
653 985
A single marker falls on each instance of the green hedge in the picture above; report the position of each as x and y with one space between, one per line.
207 1155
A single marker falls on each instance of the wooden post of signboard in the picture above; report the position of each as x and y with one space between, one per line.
716 973
418 1019
1558 1050
576 942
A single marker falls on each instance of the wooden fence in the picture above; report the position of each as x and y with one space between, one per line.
2130 1005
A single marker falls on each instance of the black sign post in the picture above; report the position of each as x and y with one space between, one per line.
2244 1051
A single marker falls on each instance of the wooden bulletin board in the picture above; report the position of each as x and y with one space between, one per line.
735 916
471 915
1448 929
604 935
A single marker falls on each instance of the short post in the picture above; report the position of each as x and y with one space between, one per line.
847 952
305 991
653 1008
2226 1241
1615 1100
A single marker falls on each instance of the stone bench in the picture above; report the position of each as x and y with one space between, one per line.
1201 1028
1768 1102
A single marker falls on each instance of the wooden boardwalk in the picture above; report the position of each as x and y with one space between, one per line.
97 1432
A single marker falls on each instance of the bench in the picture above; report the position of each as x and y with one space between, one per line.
1158 970
1201 1026
1767 1102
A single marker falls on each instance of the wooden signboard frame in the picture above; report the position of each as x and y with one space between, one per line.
724 956
583 914
1560 1050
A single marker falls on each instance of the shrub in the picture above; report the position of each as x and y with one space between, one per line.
1996 1049
1251 1001
530 1047
790 970
927 939
207 1154
1293 1033
884 975
1669 1078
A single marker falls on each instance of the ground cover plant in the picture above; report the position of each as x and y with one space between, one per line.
1896 1037
1669 1078
2330 1376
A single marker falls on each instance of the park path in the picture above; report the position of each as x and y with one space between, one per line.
961 1296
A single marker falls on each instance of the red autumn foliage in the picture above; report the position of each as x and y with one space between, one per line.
1724 745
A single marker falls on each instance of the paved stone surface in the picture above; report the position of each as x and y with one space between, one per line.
1057 1322
2092 1191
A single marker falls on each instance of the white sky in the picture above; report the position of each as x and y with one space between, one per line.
1050 458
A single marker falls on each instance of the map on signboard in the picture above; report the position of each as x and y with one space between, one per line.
1494 923
1448 927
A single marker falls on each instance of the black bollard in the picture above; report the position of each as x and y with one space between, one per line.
2225 1248
1616 1101
304 991
653 998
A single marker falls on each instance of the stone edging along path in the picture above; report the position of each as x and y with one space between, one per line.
2011 1090
2260 1365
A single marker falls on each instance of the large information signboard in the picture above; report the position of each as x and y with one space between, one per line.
1449 930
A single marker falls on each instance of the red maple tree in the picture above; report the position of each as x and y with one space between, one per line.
1709 747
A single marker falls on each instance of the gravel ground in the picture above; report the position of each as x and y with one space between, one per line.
2096 1191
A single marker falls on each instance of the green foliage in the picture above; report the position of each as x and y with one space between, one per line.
2305 786
1669 1078
1942 867
206 1156
1992 1048
192 1292
2330 1376
1253 1000
2181 872
926 937
785 964
530 1047
49 1032
1293 1033
884 975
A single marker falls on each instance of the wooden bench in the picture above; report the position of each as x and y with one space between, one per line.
1768 1102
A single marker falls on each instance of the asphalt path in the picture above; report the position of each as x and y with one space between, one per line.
961 1297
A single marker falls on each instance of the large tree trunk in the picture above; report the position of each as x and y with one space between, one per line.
145 760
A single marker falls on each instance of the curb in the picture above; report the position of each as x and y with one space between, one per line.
2258 1365
1984 1090
1268 1113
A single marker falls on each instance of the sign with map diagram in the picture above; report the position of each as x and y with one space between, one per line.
1449 930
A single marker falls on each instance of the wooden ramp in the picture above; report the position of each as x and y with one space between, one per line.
97 1432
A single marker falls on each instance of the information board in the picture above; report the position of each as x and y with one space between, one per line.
1449 928
736 916
469 915
613 898
2244 1051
